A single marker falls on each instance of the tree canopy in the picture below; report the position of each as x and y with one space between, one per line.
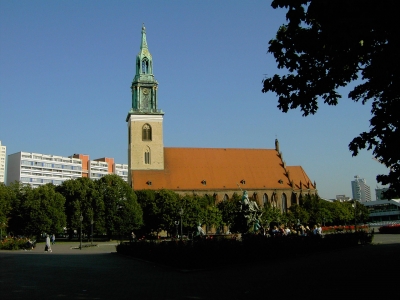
36 210
122 212
326 45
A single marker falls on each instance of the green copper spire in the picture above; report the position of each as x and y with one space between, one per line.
144 42
144 85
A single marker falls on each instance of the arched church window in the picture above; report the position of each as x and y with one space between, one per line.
284 203
226 198
147 156
293 199
146 132
273 200
265 199
145 66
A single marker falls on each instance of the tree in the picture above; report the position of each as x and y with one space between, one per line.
298 213
147 201
83 198
168 210
313 205
6 199
328 44
122 212
359 212
341 213
229 210
191 212
37 210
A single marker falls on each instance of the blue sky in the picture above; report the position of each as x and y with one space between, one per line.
66 68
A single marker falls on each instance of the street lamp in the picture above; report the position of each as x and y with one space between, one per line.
1 230
91 223
181 213
177 223
81 219
355 216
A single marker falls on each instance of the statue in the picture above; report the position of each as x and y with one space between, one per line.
251 212
256 225
200 231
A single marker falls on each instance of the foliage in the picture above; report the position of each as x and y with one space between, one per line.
298 213
327 45
122 212
13 243
229 209
147 201
117 210
271 215
37 210
232 213
191 212
83 198
341 213
211 216
168 210
6 198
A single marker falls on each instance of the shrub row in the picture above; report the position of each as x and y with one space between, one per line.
391 229
208 252
13 243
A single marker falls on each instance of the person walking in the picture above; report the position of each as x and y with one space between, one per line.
53 239
48 245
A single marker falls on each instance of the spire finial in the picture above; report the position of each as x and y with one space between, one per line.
144 42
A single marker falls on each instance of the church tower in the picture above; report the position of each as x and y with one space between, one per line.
145 120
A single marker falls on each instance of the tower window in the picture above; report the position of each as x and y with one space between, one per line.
146 132
147 157
145 66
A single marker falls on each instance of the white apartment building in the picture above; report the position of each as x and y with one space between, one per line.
3 153
38 169
97 169
121 170
361 191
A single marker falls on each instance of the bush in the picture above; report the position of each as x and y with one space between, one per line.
391 229
13 243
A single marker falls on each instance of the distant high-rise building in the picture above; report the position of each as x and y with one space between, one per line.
361 191
2 162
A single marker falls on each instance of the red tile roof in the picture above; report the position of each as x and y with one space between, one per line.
220 169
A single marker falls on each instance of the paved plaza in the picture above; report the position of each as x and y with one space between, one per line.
100 273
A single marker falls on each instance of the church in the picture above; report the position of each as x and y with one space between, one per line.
216 172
